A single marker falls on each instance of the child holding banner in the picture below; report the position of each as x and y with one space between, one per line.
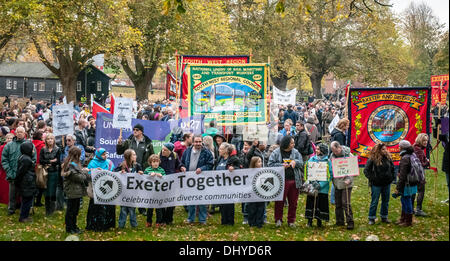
317 206
129 165
155 170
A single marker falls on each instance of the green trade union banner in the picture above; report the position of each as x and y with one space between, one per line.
230 94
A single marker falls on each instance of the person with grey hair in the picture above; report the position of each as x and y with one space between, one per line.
343 188
10 157
404 188
170 115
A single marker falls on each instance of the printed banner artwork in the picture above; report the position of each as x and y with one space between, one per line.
317 171
193 59
63 119
181 189
158 131
439 94
229 94
284 97
387 115
345 167
123 111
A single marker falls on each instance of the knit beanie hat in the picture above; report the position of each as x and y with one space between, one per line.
139 127
4 130
169 146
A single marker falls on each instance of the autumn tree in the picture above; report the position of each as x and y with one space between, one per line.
201 29
75 31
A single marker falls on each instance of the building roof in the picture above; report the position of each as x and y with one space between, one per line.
30 70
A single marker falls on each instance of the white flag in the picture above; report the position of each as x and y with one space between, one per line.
333 123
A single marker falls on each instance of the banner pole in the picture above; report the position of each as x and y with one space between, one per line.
62 141
346 102
437 140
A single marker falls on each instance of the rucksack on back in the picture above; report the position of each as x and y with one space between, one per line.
417 173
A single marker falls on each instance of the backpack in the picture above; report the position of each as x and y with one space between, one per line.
417 173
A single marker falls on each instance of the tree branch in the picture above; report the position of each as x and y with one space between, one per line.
44 60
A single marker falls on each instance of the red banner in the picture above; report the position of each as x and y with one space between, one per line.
387 115
439 94
171 86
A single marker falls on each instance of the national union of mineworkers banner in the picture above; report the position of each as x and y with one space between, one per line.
387 115
188 188
229 94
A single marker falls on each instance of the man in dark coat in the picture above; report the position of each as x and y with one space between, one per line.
302 140
290 114
140 143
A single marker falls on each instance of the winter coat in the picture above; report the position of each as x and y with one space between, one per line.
205 161
254 151
313 132
405 169
339 136
65 153
302 141
179 148
276 160
231 161
134 169
324 185
445 158
83 140
38 144
75 181
380 175
26 177
170 164
45 156
143 151
420 153
10 156
339 183
290 114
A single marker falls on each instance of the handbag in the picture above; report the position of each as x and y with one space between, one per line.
310 188
41 176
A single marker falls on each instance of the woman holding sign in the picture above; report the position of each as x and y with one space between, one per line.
343 185
317 206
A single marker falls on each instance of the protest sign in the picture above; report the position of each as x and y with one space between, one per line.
158 131
123 111
333 123
284 97
62 119
256 132
345 167
317 171
438 91
209 187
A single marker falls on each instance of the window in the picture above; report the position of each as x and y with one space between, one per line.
58 87
8 84
42 86
99 86
35 86
78 86
15 85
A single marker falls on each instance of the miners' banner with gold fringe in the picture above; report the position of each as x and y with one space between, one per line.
387 115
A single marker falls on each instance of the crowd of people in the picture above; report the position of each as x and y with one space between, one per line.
28 146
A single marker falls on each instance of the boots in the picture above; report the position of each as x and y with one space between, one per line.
408 220
50 206
402 220
310 222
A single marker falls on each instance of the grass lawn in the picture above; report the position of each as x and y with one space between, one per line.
432 228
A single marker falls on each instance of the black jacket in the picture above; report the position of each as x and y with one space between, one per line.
26 176
254 151
339 136
302 141
171 164
83 141
143 151
136 168
231 161
405 169
45 156
380 175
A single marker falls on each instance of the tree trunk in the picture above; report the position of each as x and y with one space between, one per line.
142 88
316 82
69 85
280 81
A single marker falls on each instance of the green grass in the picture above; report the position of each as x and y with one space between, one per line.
432 228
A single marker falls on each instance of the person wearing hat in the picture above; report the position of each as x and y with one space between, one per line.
3 131
218 140
288 157
320 202
403 188
139 142
171 164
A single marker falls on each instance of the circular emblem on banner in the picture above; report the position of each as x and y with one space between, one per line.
267 184
107 187
388 124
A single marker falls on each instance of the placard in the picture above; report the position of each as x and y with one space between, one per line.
256 132
284 97
317 171
62 119
123 112
345 167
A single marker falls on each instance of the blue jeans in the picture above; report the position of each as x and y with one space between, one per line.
406 204
332 201
201 213
385 193
124 211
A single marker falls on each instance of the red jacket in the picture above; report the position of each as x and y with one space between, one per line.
38 144
179 148
4 185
